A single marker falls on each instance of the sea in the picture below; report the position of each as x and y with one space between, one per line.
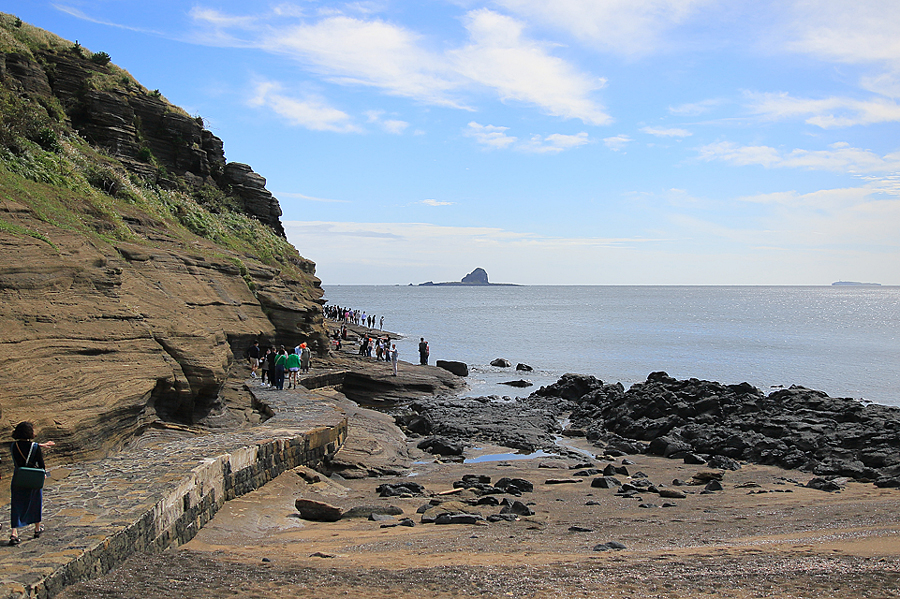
843 340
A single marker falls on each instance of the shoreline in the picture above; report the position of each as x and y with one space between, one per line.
765 532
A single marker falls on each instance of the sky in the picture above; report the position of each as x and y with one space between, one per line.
596 142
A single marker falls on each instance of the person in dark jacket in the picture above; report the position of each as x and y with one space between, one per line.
26 505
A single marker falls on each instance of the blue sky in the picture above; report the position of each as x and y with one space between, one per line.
564 142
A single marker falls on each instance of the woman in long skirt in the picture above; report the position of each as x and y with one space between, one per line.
26 504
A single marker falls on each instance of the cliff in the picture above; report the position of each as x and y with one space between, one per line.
136 263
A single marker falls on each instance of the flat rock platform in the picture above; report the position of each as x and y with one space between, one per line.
159 493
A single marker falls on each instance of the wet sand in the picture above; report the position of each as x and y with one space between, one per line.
789 541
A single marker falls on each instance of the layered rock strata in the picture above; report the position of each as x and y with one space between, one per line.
99 340
153 138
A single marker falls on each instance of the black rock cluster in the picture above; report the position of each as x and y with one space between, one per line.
695 420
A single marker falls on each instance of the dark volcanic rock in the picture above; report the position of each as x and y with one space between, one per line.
501 363
457 368
441 446
514 486
366 511
519 383
794 428
458 519
399 489
524 368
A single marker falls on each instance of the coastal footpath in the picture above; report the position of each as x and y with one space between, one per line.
158 496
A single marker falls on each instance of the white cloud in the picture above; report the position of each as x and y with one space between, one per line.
826 113
847 31
372 53
839 157
554 143
694 108
617 143
311 111
519 69
631 27
495 137
666 132
490 136
398 61
432 202
395 126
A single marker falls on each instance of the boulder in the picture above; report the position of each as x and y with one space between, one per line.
441 446
409 489
366 511
524 368
457 368
458 519
521 383
317 511
518 508
606 482
822 484
671 493
514 486
501 363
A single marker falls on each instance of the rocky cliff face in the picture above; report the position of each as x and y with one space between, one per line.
154 139
122 304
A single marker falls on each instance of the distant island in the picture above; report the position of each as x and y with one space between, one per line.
855 284
476 278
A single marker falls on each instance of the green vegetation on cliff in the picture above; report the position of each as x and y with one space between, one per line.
74 185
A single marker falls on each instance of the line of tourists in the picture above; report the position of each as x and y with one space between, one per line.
274 366
351 316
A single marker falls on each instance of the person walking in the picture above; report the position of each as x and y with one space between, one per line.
423 351
292 364
395 355
305 355
264 366
26 504
253 358
280 360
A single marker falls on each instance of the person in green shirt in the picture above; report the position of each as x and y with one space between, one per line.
292 364
279 368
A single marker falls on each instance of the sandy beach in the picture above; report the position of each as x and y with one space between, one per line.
763 535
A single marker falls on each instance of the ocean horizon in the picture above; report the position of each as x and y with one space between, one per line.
843 340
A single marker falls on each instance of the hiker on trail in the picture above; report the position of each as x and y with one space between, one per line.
305 355
26 502
395 355
280 360
253 358
423 351
265 366
292 364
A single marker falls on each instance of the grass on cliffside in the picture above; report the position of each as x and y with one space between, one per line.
75 187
